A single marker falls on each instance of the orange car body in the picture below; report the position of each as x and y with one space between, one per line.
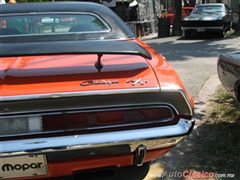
17 86
57 84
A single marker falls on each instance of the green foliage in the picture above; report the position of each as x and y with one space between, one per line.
226 108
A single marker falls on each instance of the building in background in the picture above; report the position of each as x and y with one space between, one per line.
142 15
233 4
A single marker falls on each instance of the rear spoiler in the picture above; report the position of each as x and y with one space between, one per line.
99 47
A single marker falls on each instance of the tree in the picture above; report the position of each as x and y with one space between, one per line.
177 28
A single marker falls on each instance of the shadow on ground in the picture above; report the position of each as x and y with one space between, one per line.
206 151
213 147
199 46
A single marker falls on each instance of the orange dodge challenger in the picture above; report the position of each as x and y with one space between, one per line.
79 92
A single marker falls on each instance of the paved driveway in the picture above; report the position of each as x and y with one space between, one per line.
194 60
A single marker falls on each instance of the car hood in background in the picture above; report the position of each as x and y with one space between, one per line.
204 17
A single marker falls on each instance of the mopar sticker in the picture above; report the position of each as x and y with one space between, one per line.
23 166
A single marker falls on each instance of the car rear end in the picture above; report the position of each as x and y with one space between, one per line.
106 125
116 130
82 100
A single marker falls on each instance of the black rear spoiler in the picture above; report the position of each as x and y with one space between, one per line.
99 47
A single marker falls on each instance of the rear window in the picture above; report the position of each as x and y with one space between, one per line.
41 24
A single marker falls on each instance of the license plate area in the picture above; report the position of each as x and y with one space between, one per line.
23 166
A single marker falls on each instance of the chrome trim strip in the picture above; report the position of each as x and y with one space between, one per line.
109 109
185 98
152 138
76 110
95 93
187 101
78 93
215 28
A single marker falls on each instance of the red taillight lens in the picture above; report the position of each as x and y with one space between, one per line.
61 122
113 118
157 114
110 117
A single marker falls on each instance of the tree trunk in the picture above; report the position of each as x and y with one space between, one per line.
177 29
238 25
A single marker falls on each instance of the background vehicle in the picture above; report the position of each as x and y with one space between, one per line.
214 17
229 73
170 15
80 92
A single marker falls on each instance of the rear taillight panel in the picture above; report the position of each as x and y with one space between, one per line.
108 118
99 120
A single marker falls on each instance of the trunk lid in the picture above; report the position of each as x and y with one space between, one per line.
48 74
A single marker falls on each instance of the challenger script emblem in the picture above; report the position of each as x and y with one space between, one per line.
139 81
102 82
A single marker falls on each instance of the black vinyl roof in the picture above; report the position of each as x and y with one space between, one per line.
52 7
112 43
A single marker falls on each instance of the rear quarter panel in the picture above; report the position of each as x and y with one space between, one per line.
168 78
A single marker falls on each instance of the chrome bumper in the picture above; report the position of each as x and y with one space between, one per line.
151 138
206 28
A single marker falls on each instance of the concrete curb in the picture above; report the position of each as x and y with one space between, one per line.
208 88
204 96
